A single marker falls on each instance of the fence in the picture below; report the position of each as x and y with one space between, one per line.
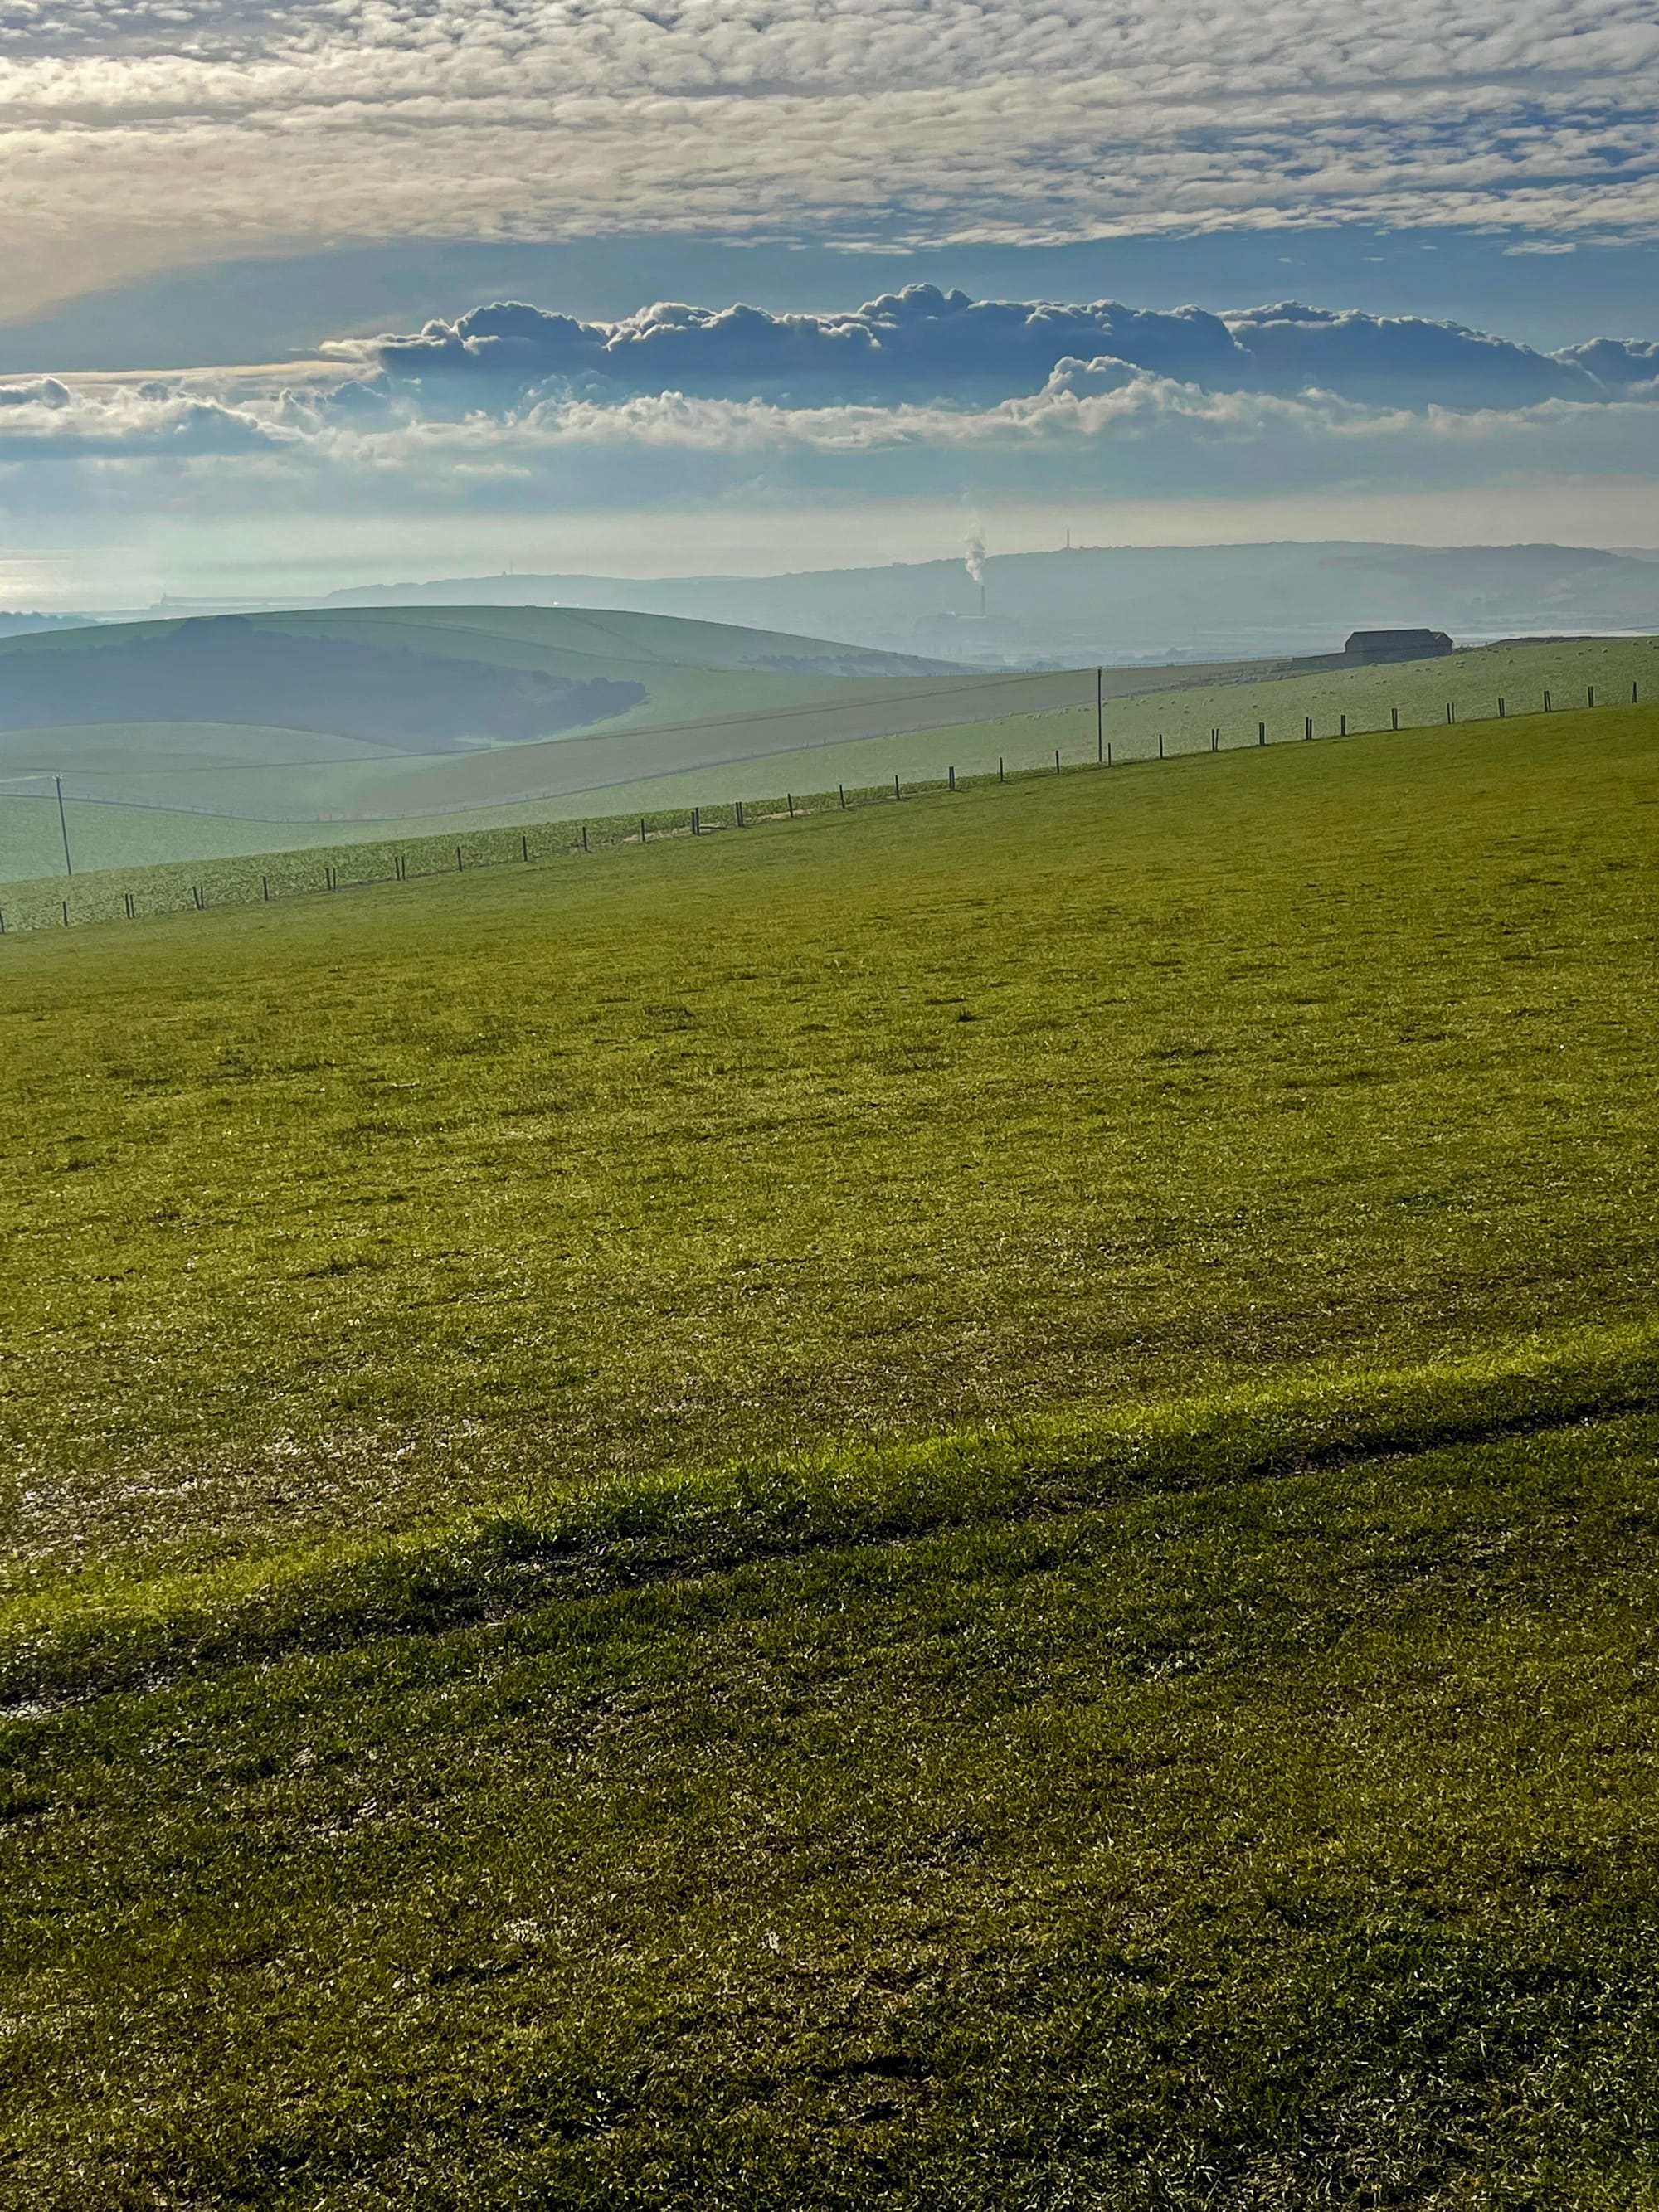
268 878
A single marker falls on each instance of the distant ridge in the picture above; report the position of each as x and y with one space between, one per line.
1120 604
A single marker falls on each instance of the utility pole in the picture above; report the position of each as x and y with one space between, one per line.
63 825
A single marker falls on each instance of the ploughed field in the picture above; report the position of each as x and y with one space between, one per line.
948 1506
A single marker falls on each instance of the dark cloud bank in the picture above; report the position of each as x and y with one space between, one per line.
922 345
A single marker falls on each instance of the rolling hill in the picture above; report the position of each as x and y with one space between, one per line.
1134 602
393 723
343 716
946 1506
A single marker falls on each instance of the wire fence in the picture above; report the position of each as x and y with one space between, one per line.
129 894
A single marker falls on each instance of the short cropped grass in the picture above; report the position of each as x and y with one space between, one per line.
950 1506
149 850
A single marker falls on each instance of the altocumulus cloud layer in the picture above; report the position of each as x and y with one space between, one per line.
138 133
918 393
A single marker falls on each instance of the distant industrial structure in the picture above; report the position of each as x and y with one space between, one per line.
1366 646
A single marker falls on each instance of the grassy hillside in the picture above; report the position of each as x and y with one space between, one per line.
319 716
947 1506
154 816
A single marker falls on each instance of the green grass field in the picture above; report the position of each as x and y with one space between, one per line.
948 1506
142 797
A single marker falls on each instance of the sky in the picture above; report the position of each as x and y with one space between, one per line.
346 290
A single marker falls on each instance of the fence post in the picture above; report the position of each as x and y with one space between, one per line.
264 888
1590 696
63 825
1002 774
1215 741
1262 733
1451 712
789 801
1500 710
458 860
951 773
842 788
201 903
585 845
1394 717
3 923
131 905
1307 726
1108 752
697 823
1547 702
1100 717
641 828
1343 731
1056 760
64 904
1160 744
897 793
523 848
1632 695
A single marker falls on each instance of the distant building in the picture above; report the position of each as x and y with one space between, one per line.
1396 644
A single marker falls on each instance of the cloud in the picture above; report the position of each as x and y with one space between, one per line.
46 419
514 425
136 133
922 344
1093 420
